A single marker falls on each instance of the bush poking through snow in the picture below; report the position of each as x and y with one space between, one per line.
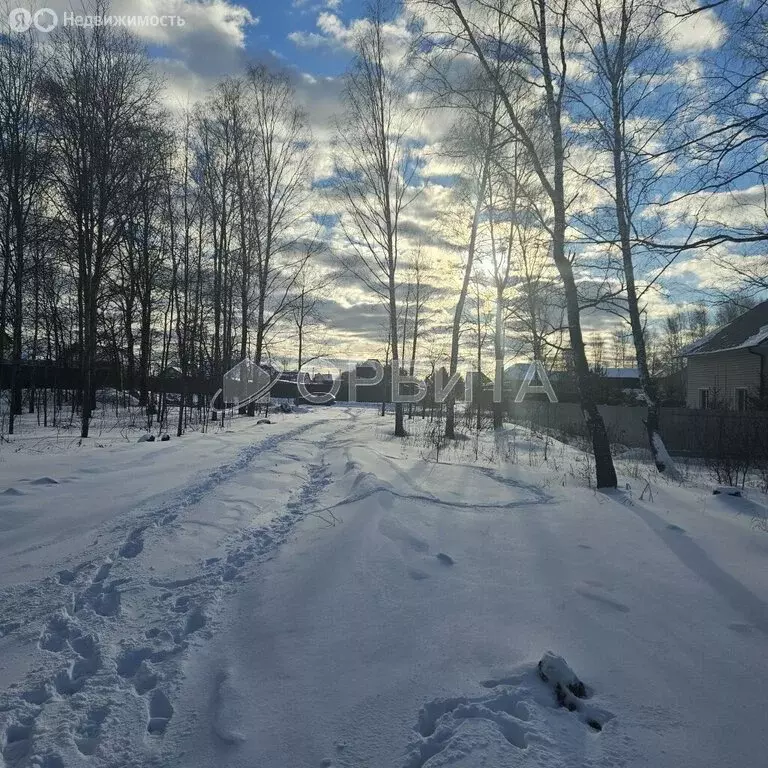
728 490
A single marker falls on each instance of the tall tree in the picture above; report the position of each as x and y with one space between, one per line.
481 135
535 35
279 194
375 171
99 90
22 165
306 301
629 74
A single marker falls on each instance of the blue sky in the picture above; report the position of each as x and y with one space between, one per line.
312 39
277 20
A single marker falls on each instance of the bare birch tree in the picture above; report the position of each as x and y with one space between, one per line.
375 172
628 70
278 194
534 33
482 137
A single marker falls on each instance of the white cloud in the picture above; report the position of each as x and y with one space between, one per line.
212 22
307 6
335 34
743 208
208 46
699 32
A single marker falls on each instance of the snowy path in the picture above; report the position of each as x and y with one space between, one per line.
326 596
113 623
357 647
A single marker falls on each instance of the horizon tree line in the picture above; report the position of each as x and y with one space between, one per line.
146 239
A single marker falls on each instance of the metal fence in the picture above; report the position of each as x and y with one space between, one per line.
686 431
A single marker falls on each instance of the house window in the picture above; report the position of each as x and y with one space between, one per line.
703 398
741 399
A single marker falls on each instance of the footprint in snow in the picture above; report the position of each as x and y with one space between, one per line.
160 713
18 740
675 528
603 600
134 544
8 627
88 734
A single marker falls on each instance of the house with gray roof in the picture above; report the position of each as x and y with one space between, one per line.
728 368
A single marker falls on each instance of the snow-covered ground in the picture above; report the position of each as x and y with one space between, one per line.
313 592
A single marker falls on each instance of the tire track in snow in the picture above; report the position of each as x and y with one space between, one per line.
96 675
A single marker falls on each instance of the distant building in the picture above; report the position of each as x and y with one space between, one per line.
611 385
170 372
629 378
727 368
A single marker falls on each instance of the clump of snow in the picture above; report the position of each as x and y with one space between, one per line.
45 481
554 670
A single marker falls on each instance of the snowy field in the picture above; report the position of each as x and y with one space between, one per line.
315 593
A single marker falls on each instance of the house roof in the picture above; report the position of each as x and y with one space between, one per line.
747 330
518 370
622 373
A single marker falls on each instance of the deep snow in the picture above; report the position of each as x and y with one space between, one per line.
316 593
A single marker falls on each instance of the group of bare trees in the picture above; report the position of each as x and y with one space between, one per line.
593 113
587 158
140 239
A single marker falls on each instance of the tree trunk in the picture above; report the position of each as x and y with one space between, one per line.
88 358
498 349
450 417
604 469
399 426
16 404
660 456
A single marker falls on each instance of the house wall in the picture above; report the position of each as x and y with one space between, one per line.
723 373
